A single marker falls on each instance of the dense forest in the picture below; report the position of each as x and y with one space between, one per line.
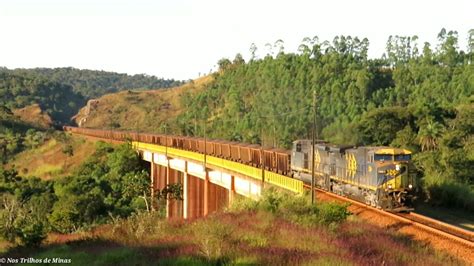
420 98
93 83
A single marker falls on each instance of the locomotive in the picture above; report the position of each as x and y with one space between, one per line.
382 177
378 176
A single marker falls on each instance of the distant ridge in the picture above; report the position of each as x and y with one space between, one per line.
143 110
95 83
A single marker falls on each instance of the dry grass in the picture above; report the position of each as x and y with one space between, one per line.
34 116
48 160
256 238
143 110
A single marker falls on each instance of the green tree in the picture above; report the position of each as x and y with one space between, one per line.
429 135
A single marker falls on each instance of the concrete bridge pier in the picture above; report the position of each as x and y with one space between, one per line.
200 196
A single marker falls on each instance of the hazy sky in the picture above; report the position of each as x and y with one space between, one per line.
181 38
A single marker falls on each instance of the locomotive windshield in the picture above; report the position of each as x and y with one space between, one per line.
403 157
383 157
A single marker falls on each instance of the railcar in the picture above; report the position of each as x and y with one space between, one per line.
244 153
256 155
282 160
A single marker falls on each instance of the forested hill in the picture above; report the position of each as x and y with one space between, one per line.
92 83
56 99
420 98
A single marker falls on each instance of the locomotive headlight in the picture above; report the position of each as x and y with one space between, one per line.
389 186
410 186
397 167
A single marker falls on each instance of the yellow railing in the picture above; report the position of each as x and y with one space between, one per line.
256 173
291 184
236 167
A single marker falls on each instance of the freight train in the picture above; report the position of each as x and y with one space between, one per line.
382 177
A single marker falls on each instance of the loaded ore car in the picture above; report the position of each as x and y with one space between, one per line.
282 159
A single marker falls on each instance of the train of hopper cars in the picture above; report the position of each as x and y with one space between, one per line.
382 177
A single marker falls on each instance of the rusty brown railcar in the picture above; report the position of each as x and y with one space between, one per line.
282 161
142 137
226 149
234 152
269 159
217 148
255 154
200 145
149 138
244 153
191 144
180 142
175 142
153 138
167 141
276 160
210 147
160 140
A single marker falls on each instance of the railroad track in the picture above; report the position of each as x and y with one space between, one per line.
441 229
441 226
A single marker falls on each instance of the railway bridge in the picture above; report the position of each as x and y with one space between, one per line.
209 183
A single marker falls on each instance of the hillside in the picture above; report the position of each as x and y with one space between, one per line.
420 101
57 100
139 110
34 116
49 159
93 83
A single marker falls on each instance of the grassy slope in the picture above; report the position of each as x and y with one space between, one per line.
48 160
242 238
143 110
34 116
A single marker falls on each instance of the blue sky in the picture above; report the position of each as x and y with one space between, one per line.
182 38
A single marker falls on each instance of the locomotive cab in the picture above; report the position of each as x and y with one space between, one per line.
395 177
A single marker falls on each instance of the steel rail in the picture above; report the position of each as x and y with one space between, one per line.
463 239
454 230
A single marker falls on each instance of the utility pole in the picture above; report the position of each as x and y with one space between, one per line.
166 140
262 162
137 135
313 147
205 142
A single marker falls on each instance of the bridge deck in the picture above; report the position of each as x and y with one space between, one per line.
275 179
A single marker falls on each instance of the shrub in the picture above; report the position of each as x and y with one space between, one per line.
32 233
451 194
212 239
21 222
137 227
243 204
294 208
332 213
